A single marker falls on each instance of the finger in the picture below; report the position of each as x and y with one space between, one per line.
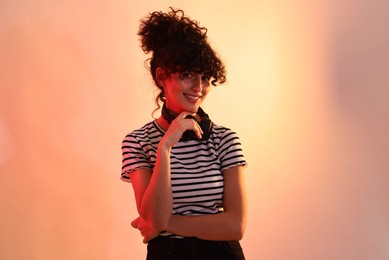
197 129
195 126
185 115
146 239
135 222
199 133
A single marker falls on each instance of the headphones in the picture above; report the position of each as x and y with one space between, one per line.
205 123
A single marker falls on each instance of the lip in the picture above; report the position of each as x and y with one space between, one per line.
192 98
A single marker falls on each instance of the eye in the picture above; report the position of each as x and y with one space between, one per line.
186 75
205 78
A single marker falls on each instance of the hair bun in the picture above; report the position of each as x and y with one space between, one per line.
163 30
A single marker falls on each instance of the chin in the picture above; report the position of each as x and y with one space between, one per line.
190 107
193 109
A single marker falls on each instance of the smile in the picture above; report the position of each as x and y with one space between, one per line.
193 98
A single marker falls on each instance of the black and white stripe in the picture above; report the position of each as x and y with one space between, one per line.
196 166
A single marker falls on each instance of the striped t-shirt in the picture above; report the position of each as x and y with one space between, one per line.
196 166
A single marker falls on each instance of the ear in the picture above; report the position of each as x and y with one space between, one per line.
160 76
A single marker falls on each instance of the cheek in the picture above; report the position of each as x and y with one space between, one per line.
206 90
171 91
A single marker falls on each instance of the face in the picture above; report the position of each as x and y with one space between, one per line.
185 91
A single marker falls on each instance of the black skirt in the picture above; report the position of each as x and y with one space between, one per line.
165 248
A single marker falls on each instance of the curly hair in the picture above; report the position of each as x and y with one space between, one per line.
178 44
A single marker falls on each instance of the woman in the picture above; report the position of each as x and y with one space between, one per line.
186 171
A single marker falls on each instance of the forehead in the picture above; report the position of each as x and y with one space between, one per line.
191 71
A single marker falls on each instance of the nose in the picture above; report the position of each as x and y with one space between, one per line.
197 85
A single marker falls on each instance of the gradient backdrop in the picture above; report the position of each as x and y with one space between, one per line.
307 93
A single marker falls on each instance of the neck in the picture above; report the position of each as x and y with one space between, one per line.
163 123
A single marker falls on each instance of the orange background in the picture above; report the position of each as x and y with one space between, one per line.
307 93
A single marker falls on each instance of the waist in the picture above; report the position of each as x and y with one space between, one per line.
185 241
195 248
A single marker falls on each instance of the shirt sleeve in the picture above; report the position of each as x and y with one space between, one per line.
230 151
133 157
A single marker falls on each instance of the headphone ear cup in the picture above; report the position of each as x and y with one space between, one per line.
205 123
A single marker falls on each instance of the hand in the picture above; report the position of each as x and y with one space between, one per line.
178 126
146 230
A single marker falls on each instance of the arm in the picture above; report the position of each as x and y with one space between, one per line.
152 189
228 225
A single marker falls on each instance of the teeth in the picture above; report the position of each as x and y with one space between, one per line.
193 97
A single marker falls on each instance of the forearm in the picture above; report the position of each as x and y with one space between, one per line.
157 201
222 226
227 225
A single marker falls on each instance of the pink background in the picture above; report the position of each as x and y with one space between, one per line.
307 93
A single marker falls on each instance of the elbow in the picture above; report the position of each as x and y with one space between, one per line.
236 226
238 230
239 236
